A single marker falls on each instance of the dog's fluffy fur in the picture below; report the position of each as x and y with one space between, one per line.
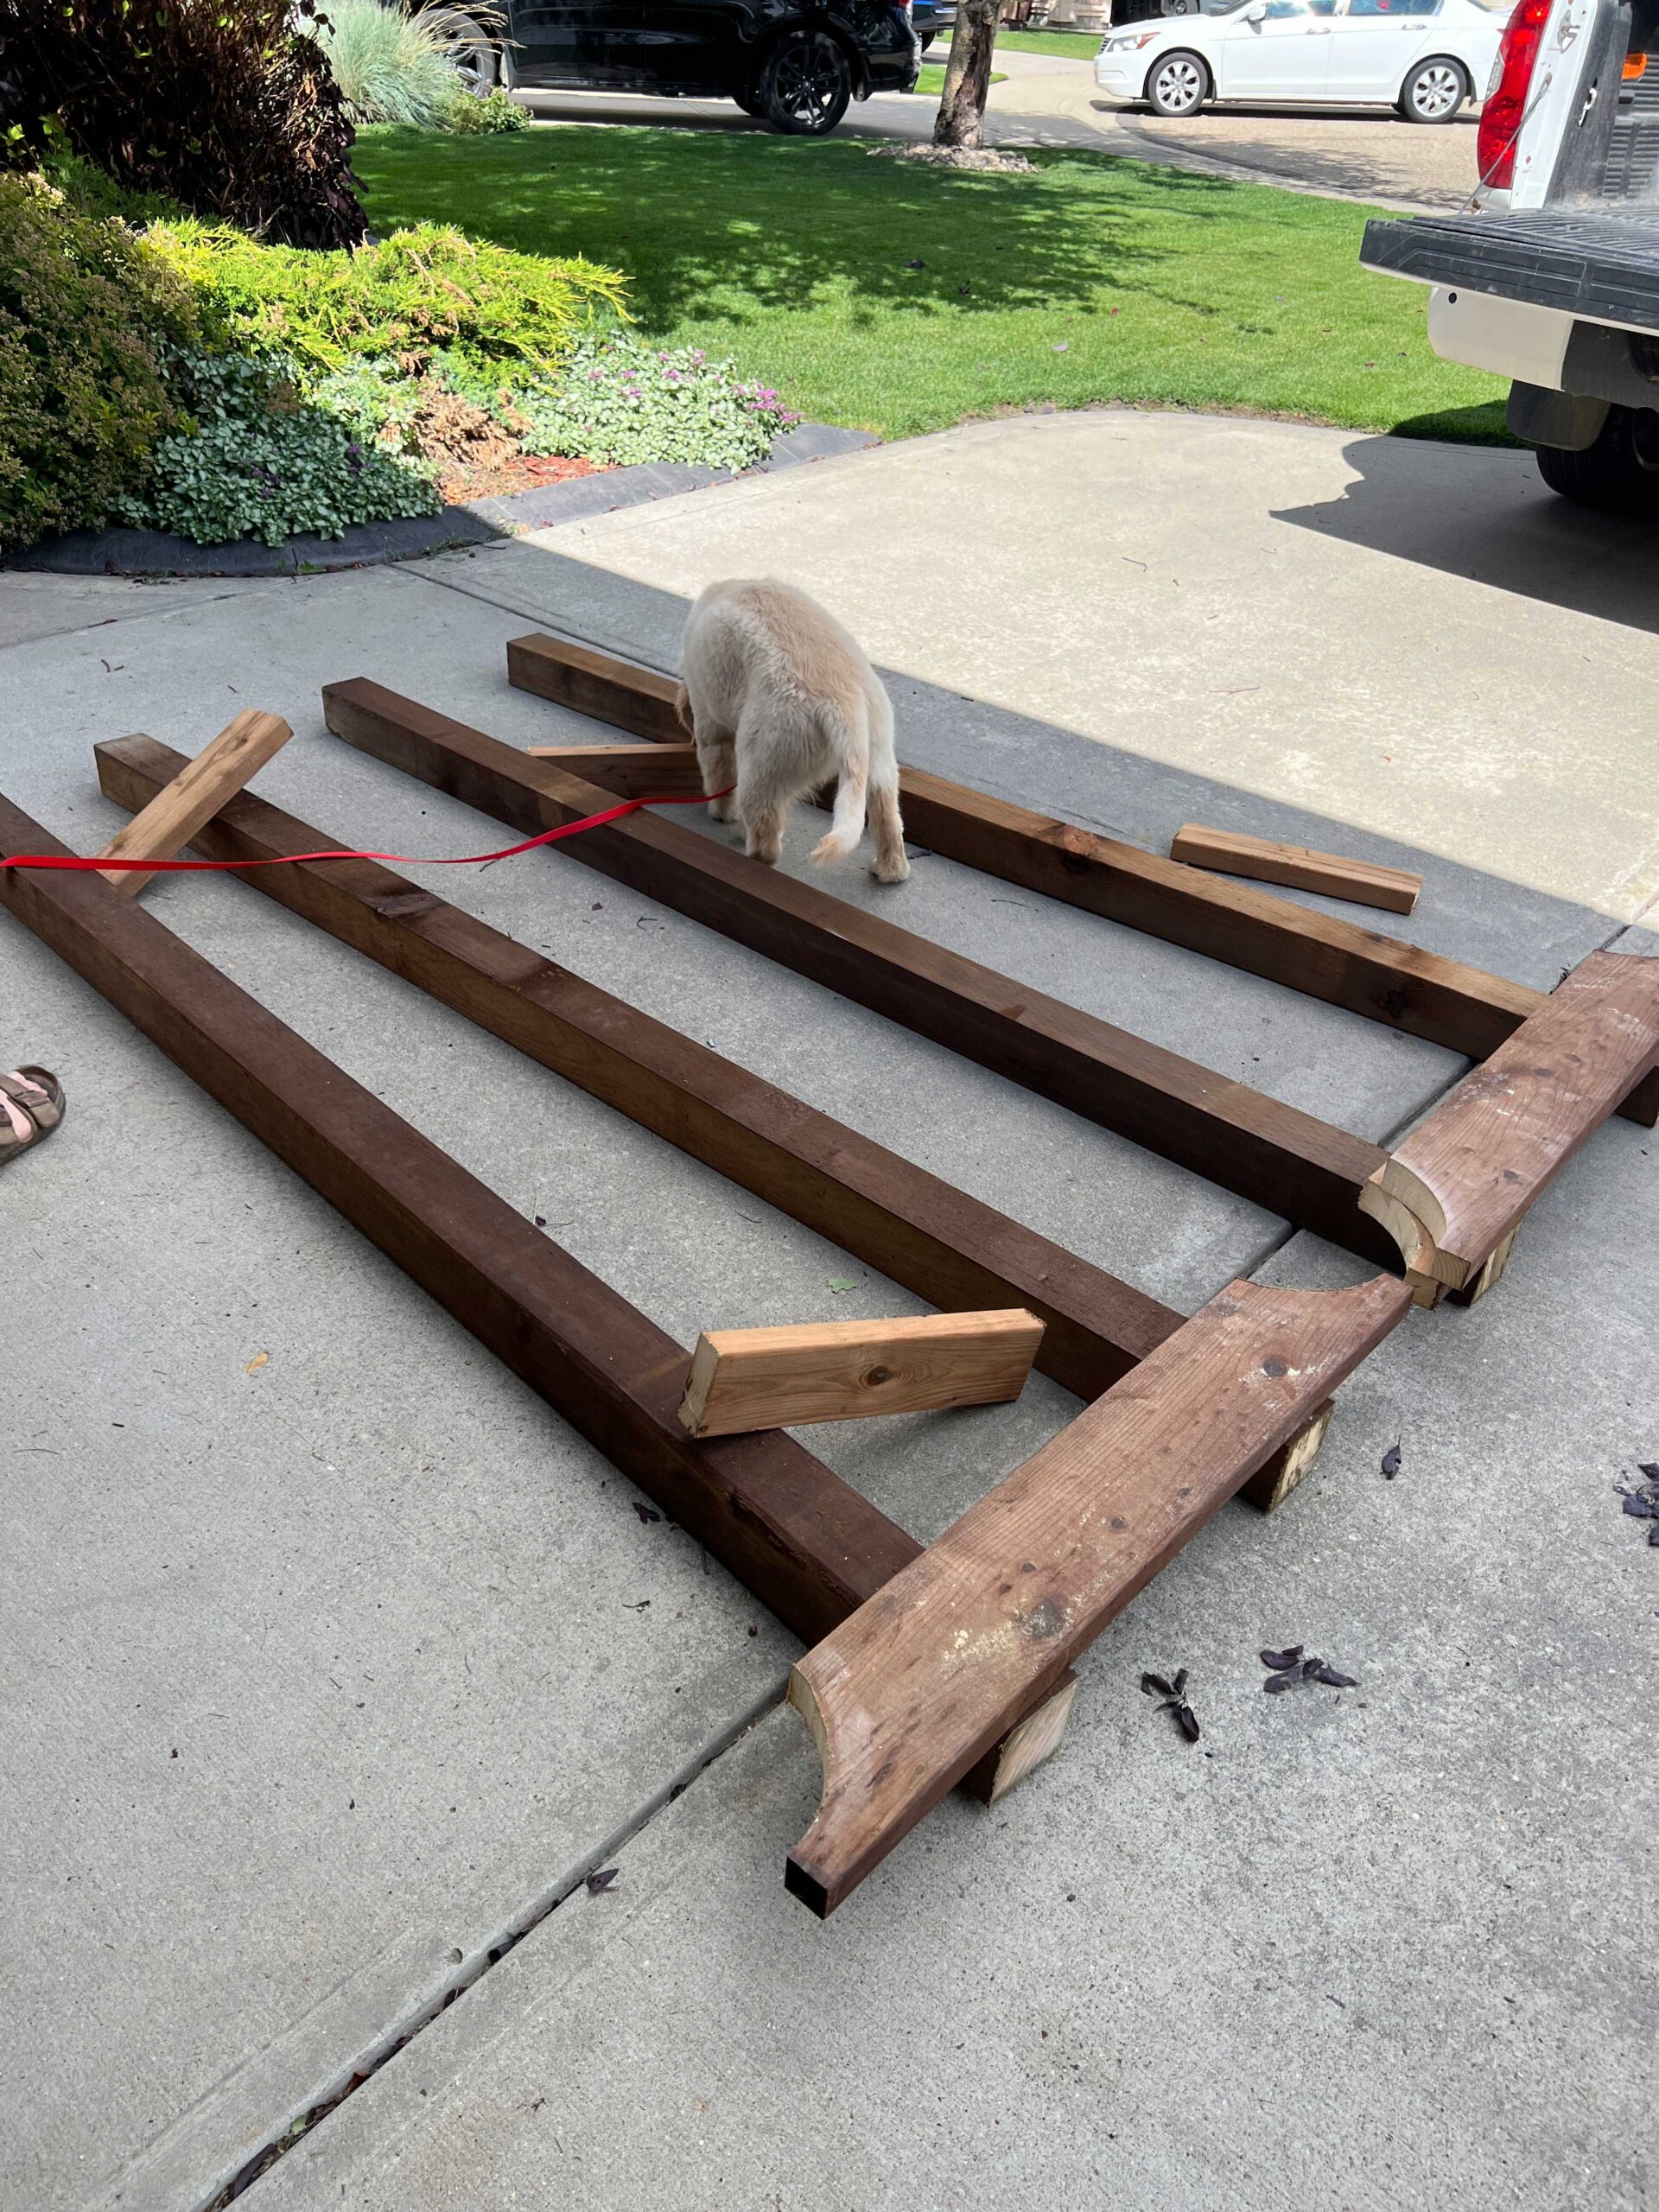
780 699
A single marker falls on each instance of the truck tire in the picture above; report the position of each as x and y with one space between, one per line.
1435 90
806 83
1618 475
1178 84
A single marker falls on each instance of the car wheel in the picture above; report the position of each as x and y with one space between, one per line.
1180 7
1434 91
1178 85
1618 475
806 85
468 49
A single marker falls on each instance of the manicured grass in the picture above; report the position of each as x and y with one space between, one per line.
902 298
1082 46
931 82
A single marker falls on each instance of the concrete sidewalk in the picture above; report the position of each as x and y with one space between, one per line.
422 1664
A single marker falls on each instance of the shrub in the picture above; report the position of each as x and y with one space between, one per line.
390 67
84 306
497 111
412 295
228 107
260 460
619 401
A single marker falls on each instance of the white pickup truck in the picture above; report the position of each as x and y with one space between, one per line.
1551 278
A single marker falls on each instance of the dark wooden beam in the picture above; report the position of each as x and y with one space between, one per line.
808 1545
1289 1162
1388 981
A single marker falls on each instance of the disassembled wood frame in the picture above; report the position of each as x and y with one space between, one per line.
953 1663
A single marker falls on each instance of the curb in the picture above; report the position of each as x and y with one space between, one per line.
479 522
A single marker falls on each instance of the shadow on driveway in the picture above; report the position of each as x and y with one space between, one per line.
1514 534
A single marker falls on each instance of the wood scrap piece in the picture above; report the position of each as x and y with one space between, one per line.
1283 1159
1458 1185
194 796
808 1546
905 1696
1324 957
630 771
1302 867
789 1377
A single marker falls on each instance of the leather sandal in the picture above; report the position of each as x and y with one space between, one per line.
31 1106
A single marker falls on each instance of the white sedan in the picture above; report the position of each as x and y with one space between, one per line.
1424 57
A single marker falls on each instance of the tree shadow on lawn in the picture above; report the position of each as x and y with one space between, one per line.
733 227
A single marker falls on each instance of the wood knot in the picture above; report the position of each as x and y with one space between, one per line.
1044 1621
1275 1366
878 1374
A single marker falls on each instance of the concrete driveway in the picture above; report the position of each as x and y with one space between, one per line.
1351 154
330 1673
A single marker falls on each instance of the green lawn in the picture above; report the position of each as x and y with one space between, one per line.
1082 46
901 298
931 80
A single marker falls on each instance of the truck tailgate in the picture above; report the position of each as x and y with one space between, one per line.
1601 266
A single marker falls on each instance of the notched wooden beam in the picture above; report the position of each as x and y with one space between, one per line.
903 1697
1454 1193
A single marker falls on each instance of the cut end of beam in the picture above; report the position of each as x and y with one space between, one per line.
1268 1488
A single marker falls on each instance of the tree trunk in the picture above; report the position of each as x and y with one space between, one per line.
967 75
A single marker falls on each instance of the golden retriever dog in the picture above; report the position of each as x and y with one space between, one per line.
780 699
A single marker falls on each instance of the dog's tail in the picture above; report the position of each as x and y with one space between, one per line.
683 706
848 736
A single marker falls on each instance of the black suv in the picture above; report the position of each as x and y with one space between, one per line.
794 64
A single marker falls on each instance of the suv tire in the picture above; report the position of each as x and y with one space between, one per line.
806 83
1178 85
1435 90
1618 475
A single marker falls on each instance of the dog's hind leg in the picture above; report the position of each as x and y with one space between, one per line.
767 782
890 864
717 760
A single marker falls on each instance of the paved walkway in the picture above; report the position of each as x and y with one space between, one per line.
331 1672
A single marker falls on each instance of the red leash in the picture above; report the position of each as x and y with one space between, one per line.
408 860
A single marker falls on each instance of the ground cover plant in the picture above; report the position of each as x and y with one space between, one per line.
901 298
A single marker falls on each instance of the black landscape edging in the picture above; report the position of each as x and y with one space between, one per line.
480 522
